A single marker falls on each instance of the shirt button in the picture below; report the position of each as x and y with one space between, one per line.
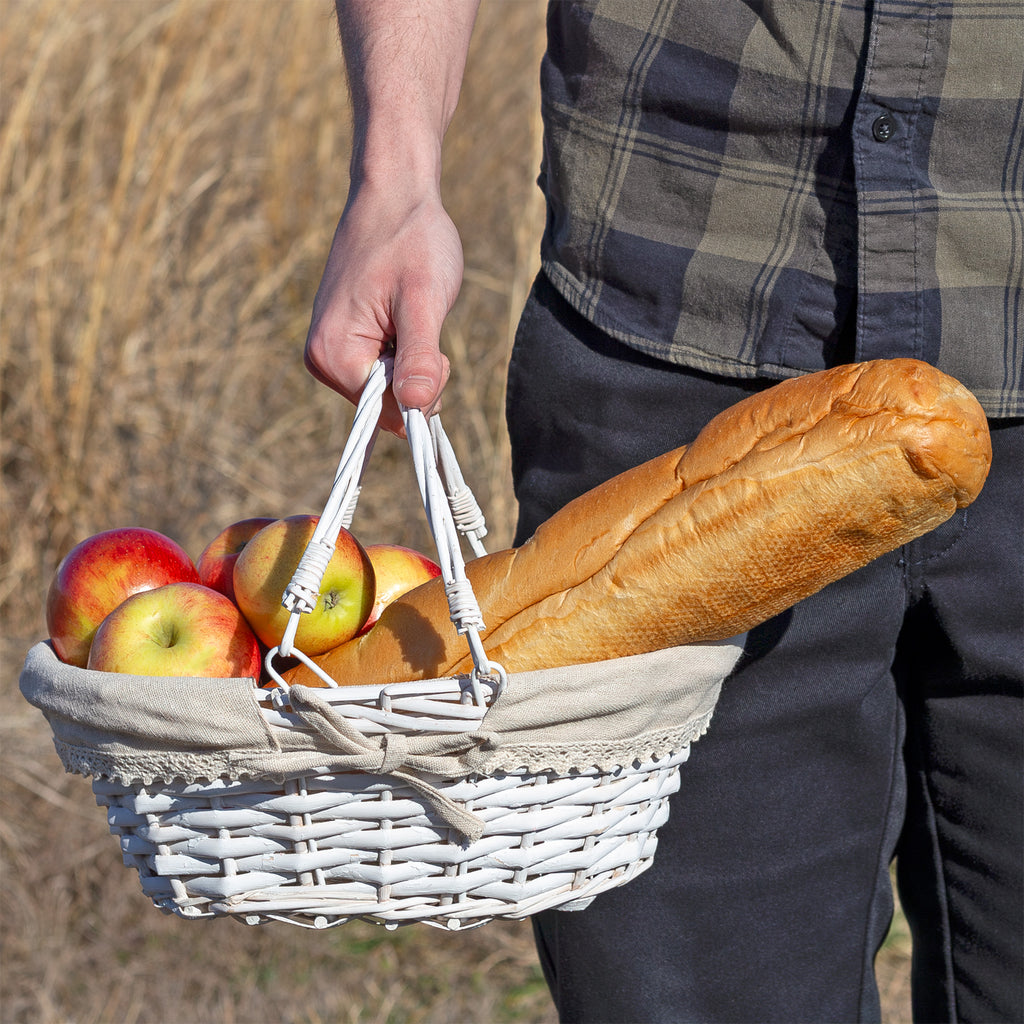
883 127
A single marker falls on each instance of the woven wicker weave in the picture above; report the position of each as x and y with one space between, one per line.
321 850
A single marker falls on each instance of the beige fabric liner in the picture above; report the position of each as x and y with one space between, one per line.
140 729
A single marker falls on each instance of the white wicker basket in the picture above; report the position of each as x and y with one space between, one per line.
321 850
323 847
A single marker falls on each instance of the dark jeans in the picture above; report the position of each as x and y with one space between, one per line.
879 717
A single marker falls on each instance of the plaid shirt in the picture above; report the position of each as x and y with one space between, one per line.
770 194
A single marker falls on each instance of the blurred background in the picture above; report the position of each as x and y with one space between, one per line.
171 174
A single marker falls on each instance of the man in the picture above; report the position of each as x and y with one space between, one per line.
739 193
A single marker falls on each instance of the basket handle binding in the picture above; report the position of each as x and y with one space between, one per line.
451 510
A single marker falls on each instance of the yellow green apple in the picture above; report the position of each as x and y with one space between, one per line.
265 568
181 629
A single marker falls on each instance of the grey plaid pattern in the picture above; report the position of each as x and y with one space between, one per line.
767 193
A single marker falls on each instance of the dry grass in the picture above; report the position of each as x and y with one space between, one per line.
171 174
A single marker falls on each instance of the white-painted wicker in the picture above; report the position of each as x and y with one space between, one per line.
321 850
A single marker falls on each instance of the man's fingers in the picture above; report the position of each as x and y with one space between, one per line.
343 365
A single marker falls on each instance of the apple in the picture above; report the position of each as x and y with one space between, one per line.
100 572
216 564
181 629
396 570
265 568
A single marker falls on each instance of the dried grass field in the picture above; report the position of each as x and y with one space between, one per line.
171 172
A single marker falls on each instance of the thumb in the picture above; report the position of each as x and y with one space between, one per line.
419 377
421 371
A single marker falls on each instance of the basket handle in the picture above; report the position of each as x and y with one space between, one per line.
450 507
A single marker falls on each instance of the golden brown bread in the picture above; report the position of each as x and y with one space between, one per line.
783 493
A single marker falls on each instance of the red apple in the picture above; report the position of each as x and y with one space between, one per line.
182 629
265 568
98 574
216 564
397 570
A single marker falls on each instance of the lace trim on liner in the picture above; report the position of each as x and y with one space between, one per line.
569 757
146 769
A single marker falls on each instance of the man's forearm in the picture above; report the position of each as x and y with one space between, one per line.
405 60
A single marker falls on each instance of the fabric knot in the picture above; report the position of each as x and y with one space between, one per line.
394 753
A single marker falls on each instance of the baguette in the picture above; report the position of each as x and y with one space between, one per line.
779 495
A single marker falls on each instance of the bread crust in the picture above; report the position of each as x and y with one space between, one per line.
780 495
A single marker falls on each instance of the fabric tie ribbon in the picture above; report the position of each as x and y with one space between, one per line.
396 755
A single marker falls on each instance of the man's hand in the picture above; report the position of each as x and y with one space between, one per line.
392 275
